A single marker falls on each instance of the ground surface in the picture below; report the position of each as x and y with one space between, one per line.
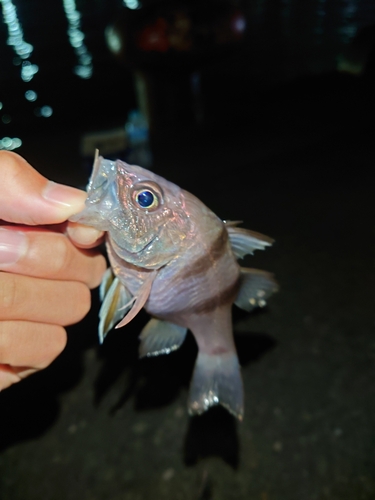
99 424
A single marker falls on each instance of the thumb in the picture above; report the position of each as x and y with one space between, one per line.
26 197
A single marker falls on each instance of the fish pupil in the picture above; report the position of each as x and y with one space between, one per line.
145 199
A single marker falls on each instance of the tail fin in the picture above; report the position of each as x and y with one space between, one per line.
216 380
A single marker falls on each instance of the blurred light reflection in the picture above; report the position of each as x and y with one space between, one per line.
132 4
76 38
349 25
15 33
28 71
15 39
8 144
113 40
31 96
45 111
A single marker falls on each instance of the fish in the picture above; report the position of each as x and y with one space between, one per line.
171 255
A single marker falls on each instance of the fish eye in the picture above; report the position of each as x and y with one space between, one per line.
146 199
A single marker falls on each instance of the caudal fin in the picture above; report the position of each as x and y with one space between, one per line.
216 380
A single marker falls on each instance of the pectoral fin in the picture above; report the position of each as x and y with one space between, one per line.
256 287
107 281
116 299
244 241
160 337
140 299
216 380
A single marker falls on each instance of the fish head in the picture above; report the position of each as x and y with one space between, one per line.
143 213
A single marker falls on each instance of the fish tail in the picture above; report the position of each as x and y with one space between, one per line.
216 380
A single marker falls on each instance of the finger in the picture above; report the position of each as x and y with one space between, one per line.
84 236
50 255
10 375
45 301
28 345
27 197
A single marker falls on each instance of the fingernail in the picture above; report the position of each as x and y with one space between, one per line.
13 245
64 195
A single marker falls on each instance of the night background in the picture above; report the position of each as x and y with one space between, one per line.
265 111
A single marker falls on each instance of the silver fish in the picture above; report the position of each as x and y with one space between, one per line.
173 256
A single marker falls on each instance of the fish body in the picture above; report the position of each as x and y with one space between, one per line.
173 256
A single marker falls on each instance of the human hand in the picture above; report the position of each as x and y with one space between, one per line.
45 276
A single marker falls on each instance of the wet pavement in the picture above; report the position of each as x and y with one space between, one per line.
100 424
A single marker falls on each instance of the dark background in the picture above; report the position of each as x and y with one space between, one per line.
279 136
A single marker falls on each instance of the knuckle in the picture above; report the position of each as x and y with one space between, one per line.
61 258
9 292
11 165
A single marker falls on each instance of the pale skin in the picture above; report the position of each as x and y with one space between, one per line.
47 268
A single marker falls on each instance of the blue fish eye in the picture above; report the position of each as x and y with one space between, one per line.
146 199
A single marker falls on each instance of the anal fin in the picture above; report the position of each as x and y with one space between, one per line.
160 337
216 380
